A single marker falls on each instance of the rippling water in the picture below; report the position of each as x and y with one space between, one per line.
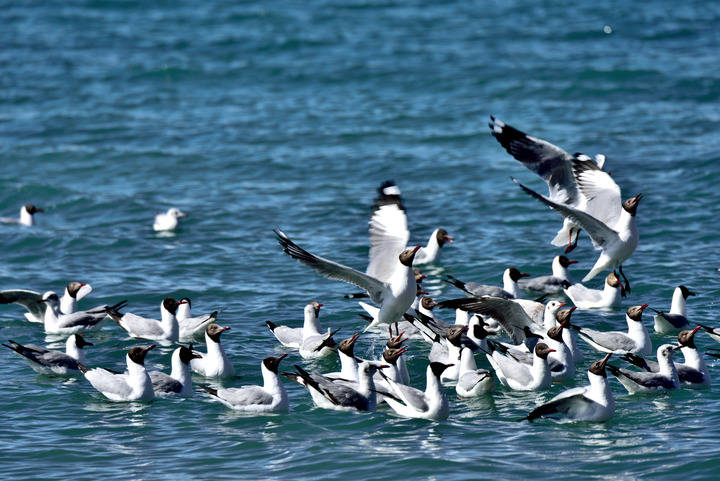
254 115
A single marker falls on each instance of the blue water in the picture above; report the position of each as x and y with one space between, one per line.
255 115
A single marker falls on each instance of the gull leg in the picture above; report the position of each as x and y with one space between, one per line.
572 245
627 282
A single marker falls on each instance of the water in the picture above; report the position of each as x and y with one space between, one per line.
250 116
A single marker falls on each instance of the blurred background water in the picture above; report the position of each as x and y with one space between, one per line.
262 114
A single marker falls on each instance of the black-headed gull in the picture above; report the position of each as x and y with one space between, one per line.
213 363
63 324
636 340
676 319
293 336
555 166
472 382
32 301
166 330
348 361
179 381
389 235
592 403
132 385
550 284
510 289
26 218
192 326
618 237
270 397
338 396
693 373
48 361
519 376
642 381
586 298
168 220
413 403
394 295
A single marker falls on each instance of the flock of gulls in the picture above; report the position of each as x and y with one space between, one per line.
526 345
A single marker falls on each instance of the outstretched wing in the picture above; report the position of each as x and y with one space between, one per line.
333 270
389 236
30 300
604 200
598 231
511 316
548 161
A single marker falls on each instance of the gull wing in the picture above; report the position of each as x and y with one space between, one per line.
389 236
511 315
599 232
548 161
245 396
30 300
604 200
332 270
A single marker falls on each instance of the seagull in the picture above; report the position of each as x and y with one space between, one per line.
292 336
618 237
32 301
636 340
472 382
179 382
676 319
510 314
394 295
47 361
133 385
63 324
510 289
270 397
348 361
592 403
518 376
609 296
414 403
713 332
333 395
389 235
215 362
166 330
168 220
556 167
26 216
191 327
693 373
550 284
665 379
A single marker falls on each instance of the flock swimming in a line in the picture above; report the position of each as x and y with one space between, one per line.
528 344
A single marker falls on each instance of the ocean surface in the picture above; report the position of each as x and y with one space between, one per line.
252 115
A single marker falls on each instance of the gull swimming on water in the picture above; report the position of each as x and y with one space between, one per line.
132 385
269 397
609 296
26 218
48 361
168 220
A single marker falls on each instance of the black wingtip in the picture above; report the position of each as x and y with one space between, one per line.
209 390
83 368
366 317
271 325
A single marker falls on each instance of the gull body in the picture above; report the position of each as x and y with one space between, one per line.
213 363
48 361
168 220
133 385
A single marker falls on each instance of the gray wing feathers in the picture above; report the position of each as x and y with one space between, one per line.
333 270
164 383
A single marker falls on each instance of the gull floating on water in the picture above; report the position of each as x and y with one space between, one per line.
609 296
693 373
213 363
48 361
636 340
472 382
179 381
191 327
550 284
26 218
166 330
292 337
64 324
32 301
414 403
510 289
269 397
168 220
593 403
676 319
132 385
642 381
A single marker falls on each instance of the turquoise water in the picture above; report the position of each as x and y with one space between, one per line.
255 115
